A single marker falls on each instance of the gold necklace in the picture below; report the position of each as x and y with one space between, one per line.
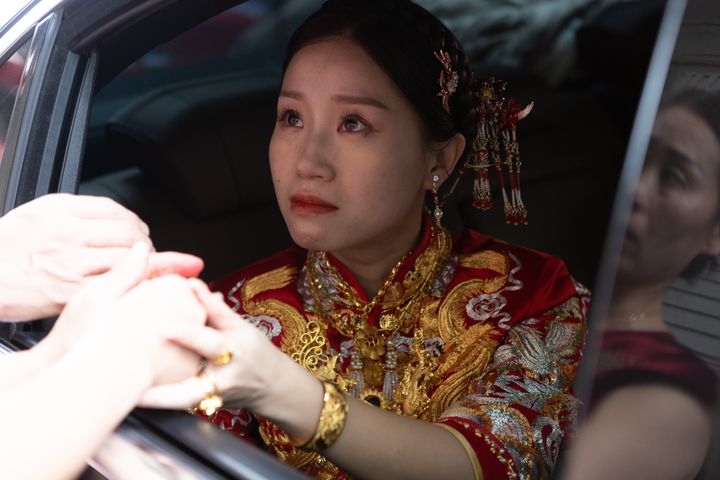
348 291
357 311
372 343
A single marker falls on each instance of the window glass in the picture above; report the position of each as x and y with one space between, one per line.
251 36
10 76
216 46
213 39
654 355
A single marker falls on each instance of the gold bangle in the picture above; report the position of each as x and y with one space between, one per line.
332 419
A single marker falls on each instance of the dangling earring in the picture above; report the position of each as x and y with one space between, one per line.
438 213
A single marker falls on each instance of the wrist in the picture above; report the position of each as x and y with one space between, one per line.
331 422
294 401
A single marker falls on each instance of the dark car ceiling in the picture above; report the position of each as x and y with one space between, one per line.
123 30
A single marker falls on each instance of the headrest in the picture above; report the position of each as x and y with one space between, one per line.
204 142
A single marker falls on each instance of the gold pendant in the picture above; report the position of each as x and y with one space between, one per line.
389 322
370 342
373 373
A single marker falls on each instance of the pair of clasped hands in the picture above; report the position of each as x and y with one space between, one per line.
91 261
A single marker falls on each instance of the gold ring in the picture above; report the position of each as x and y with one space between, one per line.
211 402
224 358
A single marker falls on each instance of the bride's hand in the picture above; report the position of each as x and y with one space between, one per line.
259 376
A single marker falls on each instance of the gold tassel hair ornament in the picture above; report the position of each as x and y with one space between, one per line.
495 146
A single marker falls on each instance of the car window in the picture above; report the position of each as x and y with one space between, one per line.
215 47
572 144
10 77
655 326
208 94
213 39
185 104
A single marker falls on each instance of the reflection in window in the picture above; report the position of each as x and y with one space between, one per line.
10 76
214 39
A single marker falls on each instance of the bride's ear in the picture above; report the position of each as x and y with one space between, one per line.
445 157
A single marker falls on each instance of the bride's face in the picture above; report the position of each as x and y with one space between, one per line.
676 213
348 156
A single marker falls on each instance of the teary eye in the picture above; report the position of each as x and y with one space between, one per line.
353 123
291 118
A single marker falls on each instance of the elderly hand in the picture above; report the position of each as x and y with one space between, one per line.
52 244
131 315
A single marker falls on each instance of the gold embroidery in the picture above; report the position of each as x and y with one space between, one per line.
487 259
292 321
412 391
273 436
394 294
300 459
451 314
272 280
426 385
429 316
464 359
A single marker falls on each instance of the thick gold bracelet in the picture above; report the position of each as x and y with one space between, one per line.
332 419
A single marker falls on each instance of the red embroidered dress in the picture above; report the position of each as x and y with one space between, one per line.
471 333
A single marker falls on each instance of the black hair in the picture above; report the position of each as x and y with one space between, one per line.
402 38
705 105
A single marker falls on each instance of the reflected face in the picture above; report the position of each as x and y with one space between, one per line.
676 211
348 157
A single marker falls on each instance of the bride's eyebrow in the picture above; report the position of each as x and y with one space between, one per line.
359 100
292 94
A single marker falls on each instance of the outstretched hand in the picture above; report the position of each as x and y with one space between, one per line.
131 313
54 244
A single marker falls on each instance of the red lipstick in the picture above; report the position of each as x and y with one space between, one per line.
310 204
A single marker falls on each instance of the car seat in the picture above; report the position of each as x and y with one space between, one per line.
200 178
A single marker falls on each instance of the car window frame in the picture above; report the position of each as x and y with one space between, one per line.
23 112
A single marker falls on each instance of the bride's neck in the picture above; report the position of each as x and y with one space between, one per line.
372 265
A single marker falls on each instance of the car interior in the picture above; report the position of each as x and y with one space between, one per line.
184 142
183 108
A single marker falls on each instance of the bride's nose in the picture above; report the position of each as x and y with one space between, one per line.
315 154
